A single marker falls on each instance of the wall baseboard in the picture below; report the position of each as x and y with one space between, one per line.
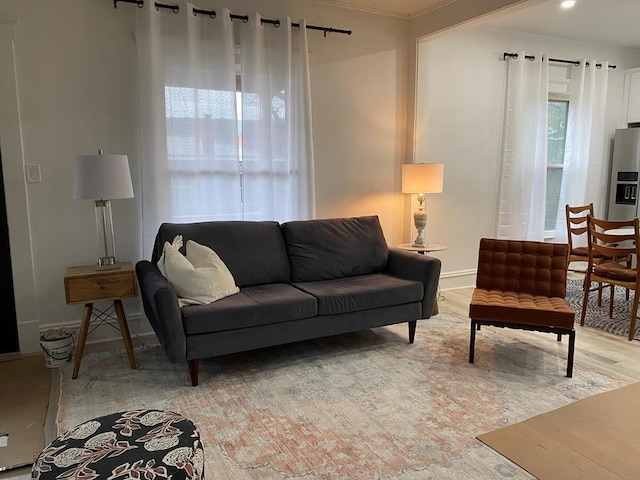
458 279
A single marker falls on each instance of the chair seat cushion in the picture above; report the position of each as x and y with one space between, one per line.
615 271
584 252
580 251
521 308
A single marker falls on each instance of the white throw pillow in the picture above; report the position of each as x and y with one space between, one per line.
176 244
198 278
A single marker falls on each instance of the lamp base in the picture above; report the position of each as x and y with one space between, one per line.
107 263
420 222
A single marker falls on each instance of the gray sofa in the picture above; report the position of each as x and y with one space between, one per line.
298 280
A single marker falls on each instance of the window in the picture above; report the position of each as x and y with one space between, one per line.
196 154
558 112
213 137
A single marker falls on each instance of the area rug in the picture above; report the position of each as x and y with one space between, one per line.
581 440
25 384
358 406
598 317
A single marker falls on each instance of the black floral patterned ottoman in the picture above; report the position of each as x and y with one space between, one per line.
139 444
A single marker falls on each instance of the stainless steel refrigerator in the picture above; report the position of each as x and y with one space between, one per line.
623 179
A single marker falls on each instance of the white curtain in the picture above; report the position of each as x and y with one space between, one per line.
584 172
225 119
523 182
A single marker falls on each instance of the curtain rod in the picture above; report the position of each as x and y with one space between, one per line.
506 55
244 18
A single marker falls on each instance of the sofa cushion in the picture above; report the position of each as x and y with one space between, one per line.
254 252
253 306
365 292
334 248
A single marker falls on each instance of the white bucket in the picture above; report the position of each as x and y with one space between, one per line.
57 346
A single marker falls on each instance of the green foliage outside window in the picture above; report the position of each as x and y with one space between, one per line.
558 111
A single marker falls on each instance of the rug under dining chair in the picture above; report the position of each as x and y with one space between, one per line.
598 317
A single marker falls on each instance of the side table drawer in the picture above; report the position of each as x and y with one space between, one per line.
89 289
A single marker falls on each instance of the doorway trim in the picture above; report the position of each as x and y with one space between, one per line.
16 193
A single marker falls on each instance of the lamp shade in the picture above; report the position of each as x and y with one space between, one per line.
101 177
422 177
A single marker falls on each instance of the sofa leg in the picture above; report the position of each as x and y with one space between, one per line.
412 330
193 372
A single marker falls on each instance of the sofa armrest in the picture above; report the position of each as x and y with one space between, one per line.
421 268
160 304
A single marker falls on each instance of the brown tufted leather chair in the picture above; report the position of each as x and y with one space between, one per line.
522 284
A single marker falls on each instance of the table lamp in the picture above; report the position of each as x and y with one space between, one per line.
422 178
102 178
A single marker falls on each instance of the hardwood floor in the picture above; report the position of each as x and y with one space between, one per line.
611 354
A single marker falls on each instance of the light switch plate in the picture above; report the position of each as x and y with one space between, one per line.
33 173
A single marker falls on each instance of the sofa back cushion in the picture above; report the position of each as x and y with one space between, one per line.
335 248
254 252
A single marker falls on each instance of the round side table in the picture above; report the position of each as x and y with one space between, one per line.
429 247
143 444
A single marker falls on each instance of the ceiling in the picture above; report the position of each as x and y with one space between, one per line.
608 22
400 8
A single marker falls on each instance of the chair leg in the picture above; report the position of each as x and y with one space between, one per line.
629 265
585 299
600 294
634 312
572 345
472 340
611 302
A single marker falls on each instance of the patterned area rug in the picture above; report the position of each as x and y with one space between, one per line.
358 406
598 317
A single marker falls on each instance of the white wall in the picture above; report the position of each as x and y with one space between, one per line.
460 100
77 92
76 78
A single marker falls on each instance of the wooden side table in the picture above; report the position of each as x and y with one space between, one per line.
87 284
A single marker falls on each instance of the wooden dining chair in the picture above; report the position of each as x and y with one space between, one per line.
576 229
613 246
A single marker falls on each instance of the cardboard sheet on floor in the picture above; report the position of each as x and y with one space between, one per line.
25 385
594 438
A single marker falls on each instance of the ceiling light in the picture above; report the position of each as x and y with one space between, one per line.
568 3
